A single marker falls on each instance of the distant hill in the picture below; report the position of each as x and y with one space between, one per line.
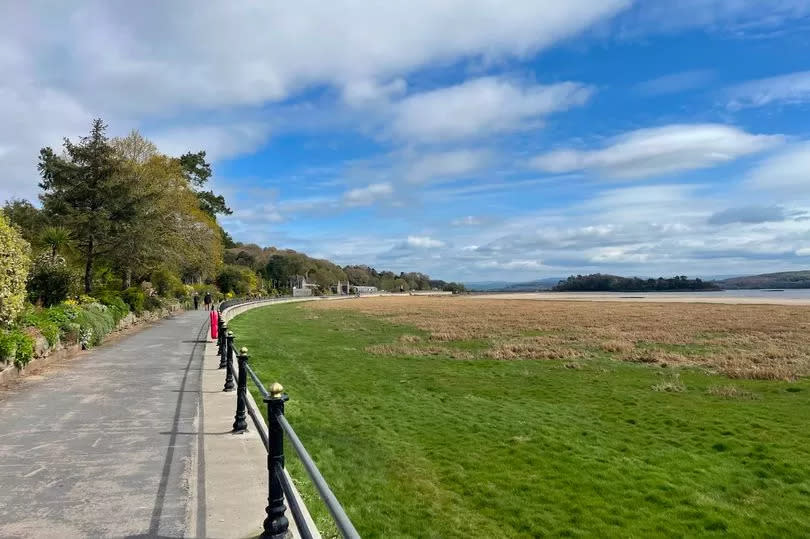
784 279
505 286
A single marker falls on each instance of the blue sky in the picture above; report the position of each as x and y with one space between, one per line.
471 140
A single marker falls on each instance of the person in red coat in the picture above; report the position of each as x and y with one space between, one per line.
214 316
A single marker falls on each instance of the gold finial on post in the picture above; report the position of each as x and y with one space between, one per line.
243 350
276 390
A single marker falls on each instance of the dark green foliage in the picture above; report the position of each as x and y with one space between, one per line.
135 298
50 280
26 218
25 349
167 284
784 279
388 280
63 316
41 320
8 346
84 191
96 322
153 303
197 171
112 299
227 240
599 282
17 347
237 280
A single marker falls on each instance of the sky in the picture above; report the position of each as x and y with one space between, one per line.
468 139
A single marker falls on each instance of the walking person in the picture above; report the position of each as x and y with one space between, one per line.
208 300
196 300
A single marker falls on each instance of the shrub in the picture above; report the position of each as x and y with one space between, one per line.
135 297
95 322
25 349
237 279
50 281
168 284
153 303
63 315
38 318
15 261
117 306
50 331
8 346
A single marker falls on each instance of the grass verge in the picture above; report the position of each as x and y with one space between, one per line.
435 446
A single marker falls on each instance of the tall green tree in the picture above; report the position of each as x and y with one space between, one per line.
198 171
25 217
169 229
85 192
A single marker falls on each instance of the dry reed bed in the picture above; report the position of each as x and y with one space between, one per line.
744 341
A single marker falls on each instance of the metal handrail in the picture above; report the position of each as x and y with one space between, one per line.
295 509
257 382
342 520
344 525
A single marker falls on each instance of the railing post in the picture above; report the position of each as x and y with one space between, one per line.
229 363
239 419
219 336
223 351
276 524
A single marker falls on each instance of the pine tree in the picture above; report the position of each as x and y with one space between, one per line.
84 192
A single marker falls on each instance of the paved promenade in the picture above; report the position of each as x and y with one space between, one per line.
104 445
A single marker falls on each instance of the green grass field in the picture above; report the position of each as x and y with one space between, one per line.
438 447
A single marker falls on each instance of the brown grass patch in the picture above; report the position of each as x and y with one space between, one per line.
617 346
731 392
746 341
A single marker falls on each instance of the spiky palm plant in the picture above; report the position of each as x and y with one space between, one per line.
56 238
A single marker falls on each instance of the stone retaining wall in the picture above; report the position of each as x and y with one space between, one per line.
44 354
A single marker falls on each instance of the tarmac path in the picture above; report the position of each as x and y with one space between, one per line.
103 446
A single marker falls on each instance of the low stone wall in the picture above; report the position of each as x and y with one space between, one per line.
44 354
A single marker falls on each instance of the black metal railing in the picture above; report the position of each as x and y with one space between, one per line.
280 487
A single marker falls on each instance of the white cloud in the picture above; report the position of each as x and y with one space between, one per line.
219 141
368 92
265 51
512 265
423 242
658 151
480 107
787 172
434 167
365 196
788 89
64 64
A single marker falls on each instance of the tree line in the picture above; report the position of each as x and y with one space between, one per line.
122 228
117 211
279 267
117 215
598 282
